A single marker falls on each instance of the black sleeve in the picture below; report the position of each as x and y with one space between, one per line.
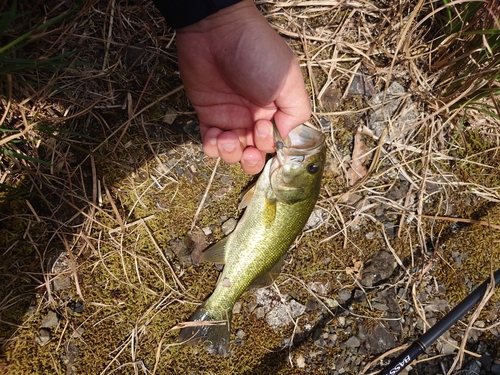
180 13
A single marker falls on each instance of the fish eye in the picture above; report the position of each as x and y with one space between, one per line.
312 168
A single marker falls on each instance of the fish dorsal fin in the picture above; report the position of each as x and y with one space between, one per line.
247 197
215 253
267 278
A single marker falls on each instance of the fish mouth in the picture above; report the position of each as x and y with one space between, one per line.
302 141
292 152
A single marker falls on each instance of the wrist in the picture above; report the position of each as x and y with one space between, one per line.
224 17
183 13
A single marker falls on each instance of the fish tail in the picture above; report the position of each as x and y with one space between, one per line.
212 330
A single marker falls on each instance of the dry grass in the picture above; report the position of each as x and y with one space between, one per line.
123 195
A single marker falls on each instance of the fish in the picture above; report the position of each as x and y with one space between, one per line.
276 209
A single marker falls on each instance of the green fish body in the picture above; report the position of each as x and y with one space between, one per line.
277 208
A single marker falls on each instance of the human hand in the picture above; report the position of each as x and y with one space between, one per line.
239 74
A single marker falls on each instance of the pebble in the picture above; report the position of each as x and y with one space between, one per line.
380 306
479 324
62 281
445 347
240 334
379 341
278 309
331 303
495 369
76 306
352 342
379 268
318 217
43 336
50 320
260 312
321 287
383 114
237 307
77 333
301 361
344 295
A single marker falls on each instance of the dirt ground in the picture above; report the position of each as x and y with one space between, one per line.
96 239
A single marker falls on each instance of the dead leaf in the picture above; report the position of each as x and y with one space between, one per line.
357 170
355 270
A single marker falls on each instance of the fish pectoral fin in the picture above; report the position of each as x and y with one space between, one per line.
267 278
247 197
269 213
215 253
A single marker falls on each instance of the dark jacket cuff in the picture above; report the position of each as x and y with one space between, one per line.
181 13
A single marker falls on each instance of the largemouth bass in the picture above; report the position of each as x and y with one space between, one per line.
277 208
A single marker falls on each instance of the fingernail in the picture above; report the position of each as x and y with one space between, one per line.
250 163
212 141
262 130
228 146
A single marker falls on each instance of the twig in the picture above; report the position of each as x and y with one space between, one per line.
205 194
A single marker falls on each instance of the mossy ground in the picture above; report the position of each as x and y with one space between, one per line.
123 189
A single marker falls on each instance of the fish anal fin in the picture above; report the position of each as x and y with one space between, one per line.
247 197
212 330
215 253
267 278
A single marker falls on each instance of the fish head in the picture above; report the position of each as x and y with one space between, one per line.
297 168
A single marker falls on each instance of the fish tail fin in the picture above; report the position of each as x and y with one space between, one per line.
209 327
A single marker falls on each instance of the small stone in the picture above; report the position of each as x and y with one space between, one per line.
43 336
251 306
237 308
479 324
260 313
229 226
296 308
447 348
170 117
301 361
398 191
344 295
331 303
76 306
359 296
379 341
353 342
318 216
378 268
77 333
50 320
438 305
380 306
495 369
240 334
341 321
383 117
321 287
63 280
207 231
